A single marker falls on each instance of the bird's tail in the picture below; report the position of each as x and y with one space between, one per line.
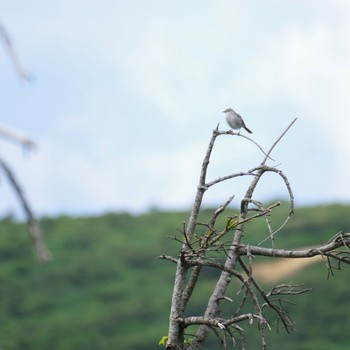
246 129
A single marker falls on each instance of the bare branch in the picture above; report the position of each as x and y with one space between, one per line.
193 320
187 293
218 211
278 140
4 36
42 252
201 188
304 253
230 132
287 289
228 177
17 137
167 257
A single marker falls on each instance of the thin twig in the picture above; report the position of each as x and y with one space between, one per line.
278 140
230 132
4 36
218 211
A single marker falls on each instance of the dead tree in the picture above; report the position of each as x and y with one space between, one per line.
222 248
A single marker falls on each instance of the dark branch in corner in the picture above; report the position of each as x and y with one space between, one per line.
35 233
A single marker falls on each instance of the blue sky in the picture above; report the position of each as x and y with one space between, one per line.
125 95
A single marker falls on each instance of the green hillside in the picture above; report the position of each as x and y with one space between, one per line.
106 289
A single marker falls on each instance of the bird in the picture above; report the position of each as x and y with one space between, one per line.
234 120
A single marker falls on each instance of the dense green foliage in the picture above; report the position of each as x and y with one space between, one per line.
105 289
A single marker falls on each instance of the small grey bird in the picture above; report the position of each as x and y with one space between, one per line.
234 120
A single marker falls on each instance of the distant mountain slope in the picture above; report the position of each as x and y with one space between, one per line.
105 289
